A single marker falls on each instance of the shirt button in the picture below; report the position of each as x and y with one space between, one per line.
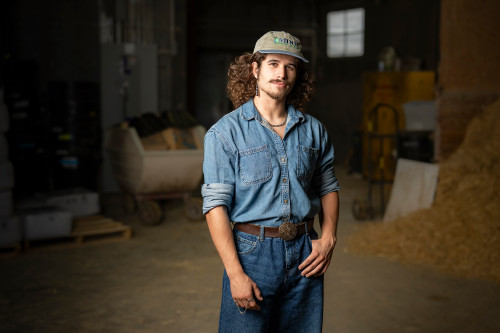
286 201
284 180
282 160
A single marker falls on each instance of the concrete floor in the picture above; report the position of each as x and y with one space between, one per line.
167 279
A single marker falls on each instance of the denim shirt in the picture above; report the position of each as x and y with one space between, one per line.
261 178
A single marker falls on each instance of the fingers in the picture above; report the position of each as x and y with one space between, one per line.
308 261
317 268
252 304
315 264
312 269
247 303
249 300
256 292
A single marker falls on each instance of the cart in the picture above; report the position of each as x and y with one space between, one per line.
145 177
382 149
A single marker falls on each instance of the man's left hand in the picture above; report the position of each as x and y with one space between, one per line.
318 261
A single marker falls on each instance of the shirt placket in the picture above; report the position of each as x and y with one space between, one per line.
283 163
285 184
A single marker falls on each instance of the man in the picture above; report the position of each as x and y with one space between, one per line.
268 169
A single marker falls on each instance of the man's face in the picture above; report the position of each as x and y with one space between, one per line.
276 75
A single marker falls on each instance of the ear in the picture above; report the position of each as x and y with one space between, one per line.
255 69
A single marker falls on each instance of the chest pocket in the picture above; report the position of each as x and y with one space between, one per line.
255 165
306 162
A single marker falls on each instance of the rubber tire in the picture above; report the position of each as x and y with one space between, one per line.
150 212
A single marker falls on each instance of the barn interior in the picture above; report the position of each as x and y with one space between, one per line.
103 108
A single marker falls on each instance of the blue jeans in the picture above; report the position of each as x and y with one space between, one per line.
292 303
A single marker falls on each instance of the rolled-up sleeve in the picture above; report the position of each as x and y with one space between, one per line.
324 180
216 195
218 172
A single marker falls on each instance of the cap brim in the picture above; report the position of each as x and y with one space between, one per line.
284 52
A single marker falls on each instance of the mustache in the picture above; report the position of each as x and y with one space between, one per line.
279 81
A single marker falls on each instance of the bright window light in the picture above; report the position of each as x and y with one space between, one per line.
345 33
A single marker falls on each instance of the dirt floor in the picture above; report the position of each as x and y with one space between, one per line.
168 279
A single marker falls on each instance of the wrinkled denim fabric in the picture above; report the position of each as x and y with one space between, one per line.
261 178
291 302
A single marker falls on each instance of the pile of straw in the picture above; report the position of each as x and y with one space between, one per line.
460 233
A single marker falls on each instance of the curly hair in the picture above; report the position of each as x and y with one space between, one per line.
241 82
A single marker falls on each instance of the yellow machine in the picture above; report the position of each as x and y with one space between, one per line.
394 89
384 94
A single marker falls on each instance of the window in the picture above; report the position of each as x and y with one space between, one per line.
345 33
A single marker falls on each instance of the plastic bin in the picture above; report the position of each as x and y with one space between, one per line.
46 223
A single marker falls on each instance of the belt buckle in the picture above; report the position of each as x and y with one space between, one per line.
287 231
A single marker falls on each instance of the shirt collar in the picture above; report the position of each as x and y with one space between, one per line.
249 111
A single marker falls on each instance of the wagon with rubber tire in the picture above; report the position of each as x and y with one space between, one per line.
146 177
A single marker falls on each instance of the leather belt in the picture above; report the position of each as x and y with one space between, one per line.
286 231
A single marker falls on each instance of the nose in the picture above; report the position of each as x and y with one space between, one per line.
282 72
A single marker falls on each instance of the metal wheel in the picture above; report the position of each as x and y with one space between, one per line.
193 209
362 210
150 212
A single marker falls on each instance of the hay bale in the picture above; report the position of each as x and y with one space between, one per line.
460 233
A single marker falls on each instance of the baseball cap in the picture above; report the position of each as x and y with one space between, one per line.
280 42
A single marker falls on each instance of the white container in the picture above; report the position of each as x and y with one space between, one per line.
6 176
6 207
139 171
4 117
10 231
420 115
44 223
4 149
79 202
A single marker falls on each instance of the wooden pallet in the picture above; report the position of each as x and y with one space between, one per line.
87 230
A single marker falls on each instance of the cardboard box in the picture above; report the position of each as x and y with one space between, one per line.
154 142
10 231
181 138
45 223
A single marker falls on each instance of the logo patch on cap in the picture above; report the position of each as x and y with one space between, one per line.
286 42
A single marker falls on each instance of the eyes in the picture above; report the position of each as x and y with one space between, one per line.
290 67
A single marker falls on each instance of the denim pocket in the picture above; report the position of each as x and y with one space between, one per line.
306 161
255 165
245 243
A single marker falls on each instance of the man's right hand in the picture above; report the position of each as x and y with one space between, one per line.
245 292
